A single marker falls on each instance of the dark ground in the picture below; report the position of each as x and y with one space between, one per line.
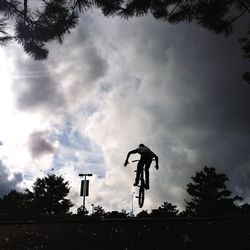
128 234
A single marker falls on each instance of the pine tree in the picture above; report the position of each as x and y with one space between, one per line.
209 194
34 28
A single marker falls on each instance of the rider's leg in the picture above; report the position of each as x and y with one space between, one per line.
147 166
138 172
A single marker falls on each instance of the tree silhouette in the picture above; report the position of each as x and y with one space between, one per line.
165 210
209 194
117 214
82 210
34 28
245 208
48 195
14 201
98 211
143 214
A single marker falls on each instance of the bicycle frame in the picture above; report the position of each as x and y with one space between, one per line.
141 195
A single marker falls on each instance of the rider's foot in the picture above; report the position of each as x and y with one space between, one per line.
136 183
147 186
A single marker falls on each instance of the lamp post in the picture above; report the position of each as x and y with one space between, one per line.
84 188
132 210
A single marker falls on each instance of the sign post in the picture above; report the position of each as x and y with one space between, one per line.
84 191
132 210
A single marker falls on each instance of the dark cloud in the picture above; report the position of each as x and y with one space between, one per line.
39 144
7 183
67 77
36 88
218 115
96 66
80 56
209 116
192 105
79 62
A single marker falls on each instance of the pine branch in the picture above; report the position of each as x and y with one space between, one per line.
240 15
4 40
25 9
6 37
173 10
244 4
229 3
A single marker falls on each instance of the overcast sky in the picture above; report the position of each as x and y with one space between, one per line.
114 84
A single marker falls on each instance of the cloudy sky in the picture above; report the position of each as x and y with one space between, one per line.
114 84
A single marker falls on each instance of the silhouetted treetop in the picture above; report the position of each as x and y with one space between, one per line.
167 209
209 194
98 211
117 214
49 195
14 201
82 210
35 27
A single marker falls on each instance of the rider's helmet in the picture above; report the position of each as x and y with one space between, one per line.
141 145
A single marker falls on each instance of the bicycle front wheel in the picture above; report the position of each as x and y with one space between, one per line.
141 196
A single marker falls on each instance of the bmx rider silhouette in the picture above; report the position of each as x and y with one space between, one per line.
146 159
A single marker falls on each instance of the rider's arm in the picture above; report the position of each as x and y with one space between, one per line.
156 161
128 155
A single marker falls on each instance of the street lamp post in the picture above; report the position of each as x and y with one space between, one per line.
84 188
132 210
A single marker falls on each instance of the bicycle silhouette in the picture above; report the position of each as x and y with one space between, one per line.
141 195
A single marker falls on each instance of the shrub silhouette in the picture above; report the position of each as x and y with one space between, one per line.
165 210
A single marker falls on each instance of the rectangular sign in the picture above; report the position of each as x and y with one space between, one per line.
84 188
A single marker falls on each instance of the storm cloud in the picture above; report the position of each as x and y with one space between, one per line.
39 144
190 106
8 182
36 87
176 88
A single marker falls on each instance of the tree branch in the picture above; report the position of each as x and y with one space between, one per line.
172 11
246 6
25 8
241 14
229 3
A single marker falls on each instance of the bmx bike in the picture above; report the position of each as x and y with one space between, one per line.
141 195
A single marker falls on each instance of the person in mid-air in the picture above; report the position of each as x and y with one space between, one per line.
146 158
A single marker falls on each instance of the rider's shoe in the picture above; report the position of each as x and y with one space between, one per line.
147 186
136 183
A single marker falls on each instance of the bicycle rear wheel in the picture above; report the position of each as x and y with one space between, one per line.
141 196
